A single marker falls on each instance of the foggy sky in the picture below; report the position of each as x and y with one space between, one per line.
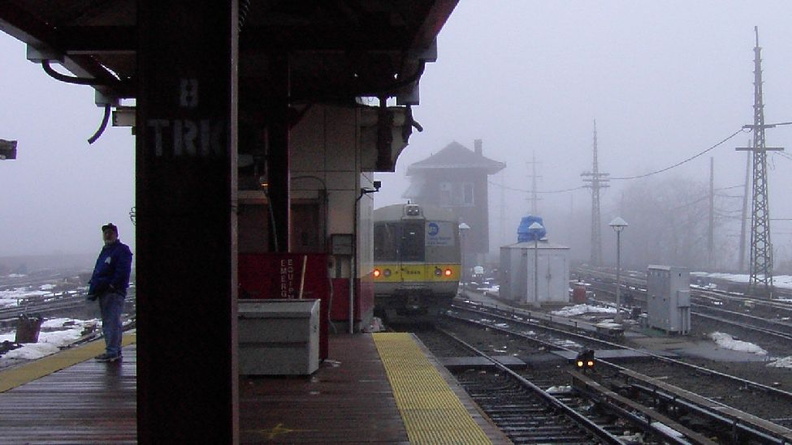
60 190
664 80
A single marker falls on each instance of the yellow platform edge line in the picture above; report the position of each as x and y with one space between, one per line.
431 411
36 369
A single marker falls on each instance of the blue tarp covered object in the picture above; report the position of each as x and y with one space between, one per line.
524 234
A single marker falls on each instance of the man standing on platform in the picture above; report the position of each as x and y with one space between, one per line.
109 284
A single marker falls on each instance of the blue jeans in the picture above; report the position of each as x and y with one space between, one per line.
111 305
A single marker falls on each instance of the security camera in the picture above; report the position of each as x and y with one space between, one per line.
8 150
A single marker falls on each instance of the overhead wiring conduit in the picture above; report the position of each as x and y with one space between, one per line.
102 126
71 79
81 81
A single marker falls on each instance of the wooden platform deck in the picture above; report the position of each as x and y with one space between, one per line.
84 403
348 400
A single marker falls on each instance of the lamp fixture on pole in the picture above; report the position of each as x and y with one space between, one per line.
618 224
463 230
535 229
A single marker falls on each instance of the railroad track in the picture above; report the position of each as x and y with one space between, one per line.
766 322
63 304
730 304
41 305
526 412
692 411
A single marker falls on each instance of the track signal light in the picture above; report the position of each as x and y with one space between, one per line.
585 360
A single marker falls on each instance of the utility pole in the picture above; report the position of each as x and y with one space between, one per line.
595 181
502 223
533 198
761 249
744 214
711 231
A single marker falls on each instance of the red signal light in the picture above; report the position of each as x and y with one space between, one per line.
377 273
448 272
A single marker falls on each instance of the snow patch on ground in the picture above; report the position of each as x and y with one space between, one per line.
55 334
580 309
726 341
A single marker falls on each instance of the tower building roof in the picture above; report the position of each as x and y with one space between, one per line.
454 156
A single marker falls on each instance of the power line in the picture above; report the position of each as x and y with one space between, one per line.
515 189
741 130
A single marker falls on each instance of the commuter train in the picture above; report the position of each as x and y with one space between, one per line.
416 262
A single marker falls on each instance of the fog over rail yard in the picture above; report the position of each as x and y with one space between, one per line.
588 198
665 81
669 86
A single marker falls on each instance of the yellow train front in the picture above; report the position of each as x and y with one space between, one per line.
416 262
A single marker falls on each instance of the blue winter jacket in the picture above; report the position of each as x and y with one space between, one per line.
111 273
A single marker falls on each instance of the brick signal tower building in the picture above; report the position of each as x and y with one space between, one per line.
456 178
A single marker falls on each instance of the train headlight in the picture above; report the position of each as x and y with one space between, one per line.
387 273
438 272
448 272
377 273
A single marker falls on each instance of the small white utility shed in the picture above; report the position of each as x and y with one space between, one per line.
521 262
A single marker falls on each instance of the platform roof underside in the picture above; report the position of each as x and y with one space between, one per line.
337 49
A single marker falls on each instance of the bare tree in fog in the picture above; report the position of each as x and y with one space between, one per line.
669 222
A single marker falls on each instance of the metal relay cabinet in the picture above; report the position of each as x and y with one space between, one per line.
668 298
278 337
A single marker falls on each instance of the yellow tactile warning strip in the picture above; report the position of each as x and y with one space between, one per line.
19 375
432 413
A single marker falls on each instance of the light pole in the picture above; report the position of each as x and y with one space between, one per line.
535 229
463 230
618 224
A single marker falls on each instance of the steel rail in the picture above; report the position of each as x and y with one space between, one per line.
699 369
716 415
580 419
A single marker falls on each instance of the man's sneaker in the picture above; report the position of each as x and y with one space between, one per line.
108 357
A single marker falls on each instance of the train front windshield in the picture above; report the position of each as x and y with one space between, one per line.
396 241
409 241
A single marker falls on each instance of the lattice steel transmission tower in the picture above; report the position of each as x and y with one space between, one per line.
761 249
595 181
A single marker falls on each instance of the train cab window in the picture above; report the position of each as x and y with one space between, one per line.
385 245
412 241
